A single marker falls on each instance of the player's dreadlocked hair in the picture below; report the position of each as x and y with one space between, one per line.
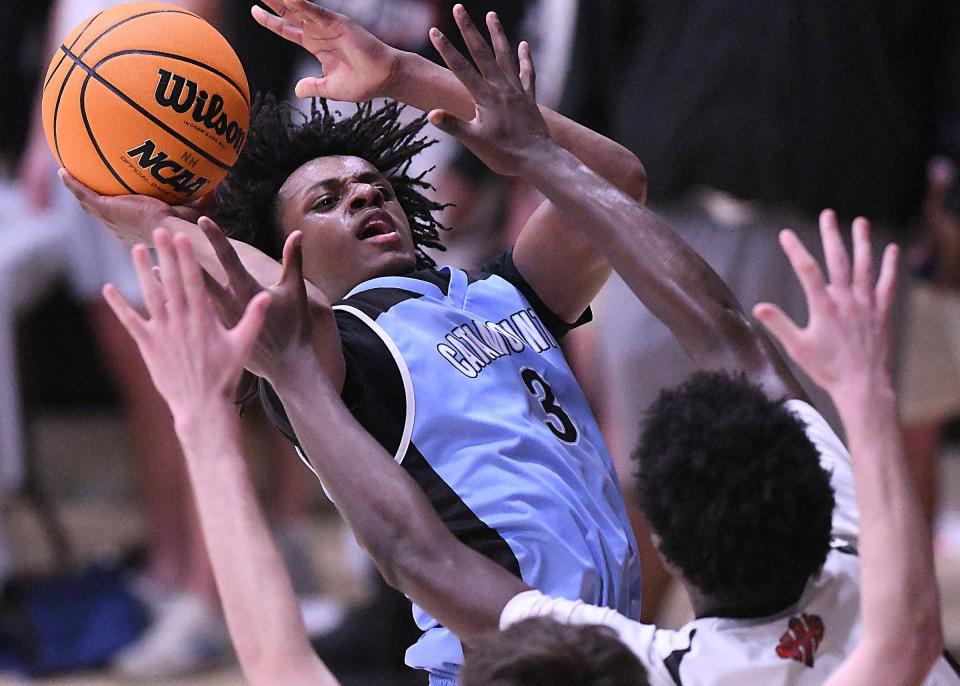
734 489
281 139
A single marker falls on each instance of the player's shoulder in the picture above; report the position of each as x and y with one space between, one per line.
819 431
815 631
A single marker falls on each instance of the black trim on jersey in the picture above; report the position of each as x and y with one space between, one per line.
372 388
459 519
377 301
672 661
502 265
455 514
952 661
374 392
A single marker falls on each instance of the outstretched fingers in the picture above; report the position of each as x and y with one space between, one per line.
887 282
244 334
308 11
292 272
236 273
528 74
193 283
129 317
502 50
834 251
448 123
312 87
150 286
481 53
170 274
277 23
862 261
459 65
807 270
778 323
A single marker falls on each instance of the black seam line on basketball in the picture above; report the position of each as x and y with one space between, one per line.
129 19
66 51
93 138
180 58
120 94
56 109
62 57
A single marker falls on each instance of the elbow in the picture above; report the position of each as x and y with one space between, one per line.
409 561
398 550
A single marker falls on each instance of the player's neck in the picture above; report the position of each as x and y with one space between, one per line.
706 605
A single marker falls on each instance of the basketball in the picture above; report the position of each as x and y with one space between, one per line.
149 99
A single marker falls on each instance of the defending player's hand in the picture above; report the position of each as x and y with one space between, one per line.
192 357
507 132
130 217
356 64
287 339
847 338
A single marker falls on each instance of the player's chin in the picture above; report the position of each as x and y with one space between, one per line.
398 259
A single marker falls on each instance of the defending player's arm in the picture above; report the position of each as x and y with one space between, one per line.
508 132
387 512
845 348
235 268
559 262
195 363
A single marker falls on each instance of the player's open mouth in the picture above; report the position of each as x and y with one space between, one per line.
377 227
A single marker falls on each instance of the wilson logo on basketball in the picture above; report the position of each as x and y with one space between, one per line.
799 642
165 170
180 94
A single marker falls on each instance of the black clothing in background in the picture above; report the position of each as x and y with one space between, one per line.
267 59
23 60
812 103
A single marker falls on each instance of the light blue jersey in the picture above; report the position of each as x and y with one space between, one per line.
459 375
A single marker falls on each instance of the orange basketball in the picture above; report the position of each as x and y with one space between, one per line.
146 98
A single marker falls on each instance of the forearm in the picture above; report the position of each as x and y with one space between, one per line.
899 600
258 599
427 86
391 517
665 273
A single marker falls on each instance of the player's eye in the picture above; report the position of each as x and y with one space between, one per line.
385 190
325 202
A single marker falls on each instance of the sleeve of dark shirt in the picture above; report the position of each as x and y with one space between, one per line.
372 388
502 265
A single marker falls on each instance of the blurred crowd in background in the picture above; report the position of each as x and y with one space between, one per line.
750 117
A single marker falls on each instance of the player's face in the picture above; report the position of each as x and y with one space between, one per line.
353 227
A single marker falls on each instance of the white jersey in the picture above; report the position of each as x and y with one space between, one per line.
801 646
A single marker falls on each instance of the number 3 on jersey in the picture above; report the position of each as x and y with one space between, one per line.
557 420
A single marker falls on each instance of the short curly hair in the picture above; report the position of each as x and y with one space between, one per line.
734 489
543 652
282 139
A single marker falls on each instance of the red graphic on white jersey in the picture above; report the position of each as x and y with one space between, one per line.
800 641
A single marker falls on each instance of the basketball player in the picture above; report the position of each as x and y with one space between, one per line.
195 362
458 375
844 348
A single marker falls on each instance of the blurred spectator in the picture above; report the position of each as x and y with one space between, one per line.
749 116
930 375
